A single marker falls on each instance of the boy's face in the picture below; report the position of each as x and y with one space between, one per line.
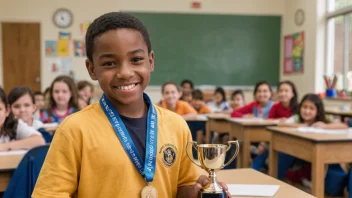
121 64
39 101
197 103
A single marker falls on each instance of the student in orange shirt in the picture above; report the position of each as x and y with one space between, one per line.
171 95
198 102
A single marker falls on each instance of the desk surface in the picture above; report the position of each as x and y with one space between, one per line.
338 111
218 116
10 159
250 176
253 122
315 137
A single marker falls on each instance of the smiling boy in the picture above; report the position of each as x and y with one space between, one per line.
123 146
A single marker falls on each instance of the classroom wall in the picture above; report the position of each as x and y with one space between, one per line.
86 10
314 56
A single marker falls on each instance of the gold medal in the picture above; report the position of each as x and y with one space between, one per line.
149 192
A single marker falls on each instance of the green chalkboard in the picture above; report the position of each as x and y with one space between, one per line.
214 49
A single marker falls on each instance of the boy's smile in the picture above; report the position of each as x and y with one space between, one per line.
122 65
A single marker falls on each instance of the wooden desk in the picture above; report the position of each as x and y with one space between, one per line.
8 163
250 176
217 122
339 112
249 131
198 125
317 148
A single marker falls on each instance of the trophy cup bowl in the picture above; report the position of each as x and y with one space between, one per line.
211 158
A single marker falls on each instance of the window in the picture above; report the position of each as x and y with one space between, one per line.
339 42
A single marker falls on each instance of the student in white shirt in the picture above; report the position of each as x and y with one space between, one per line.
219 104
15 134
22 104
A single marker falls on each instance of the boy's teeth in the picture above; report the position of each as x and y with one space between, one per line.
128 87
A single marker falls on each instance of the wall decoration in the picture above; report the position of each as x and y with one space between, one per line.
64 35
294 53
79 48
50 48
84 27
63 48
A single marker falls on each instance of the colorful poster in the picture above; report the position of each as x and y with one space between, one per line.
50 49
54 65
66 66
64 35
79 48
84 27
294 53
63 48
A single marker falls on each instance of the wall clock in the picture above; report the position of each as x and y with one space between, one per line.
63 18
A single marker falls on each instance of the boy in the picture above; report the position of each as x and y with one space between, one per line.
101 150
198 102
39 103
187 87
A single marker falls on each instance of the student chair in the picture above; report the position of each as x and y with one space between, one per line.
25 176
46 135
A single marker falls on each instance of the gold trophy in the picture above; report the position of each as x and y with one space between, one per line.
211 158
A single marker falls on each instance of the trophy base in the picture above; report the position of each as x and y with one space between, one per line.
212 195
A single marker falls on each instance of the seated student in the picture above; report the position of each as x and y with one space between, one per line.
85 93
171 94
15 134
22 105
311 113
198 102
39 103
186 89
63 100
90 155
39 100
237 99
261 106
288 101
286 106
219 104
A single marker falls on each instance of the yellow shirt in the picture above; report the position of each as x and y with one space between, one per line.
87 160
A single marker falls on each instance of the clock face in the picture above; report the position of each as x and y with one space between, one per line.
63 18
299 17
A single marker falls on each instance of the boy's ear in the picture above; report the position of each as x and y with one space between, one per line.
90 69
151 61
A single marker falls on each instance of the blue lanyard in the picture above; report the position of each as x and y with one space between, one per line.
147 168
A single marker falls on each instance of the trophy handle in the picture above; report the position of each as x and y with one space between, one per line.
236 153
193 144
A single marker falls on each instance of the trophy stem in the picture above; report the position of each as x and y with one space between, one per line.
212 186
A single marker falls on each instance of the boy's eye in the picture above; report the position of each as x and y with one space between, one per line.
108 64
136 59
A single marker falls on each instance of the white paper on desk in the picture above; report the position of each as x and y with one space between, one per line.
253 190
248 119
201 117
49 125
17 152
320 130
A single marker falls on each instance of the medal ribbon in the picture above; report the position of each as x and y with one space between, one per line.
147 168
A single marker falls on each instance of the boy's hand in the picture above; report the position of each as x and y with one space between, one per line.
203 181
